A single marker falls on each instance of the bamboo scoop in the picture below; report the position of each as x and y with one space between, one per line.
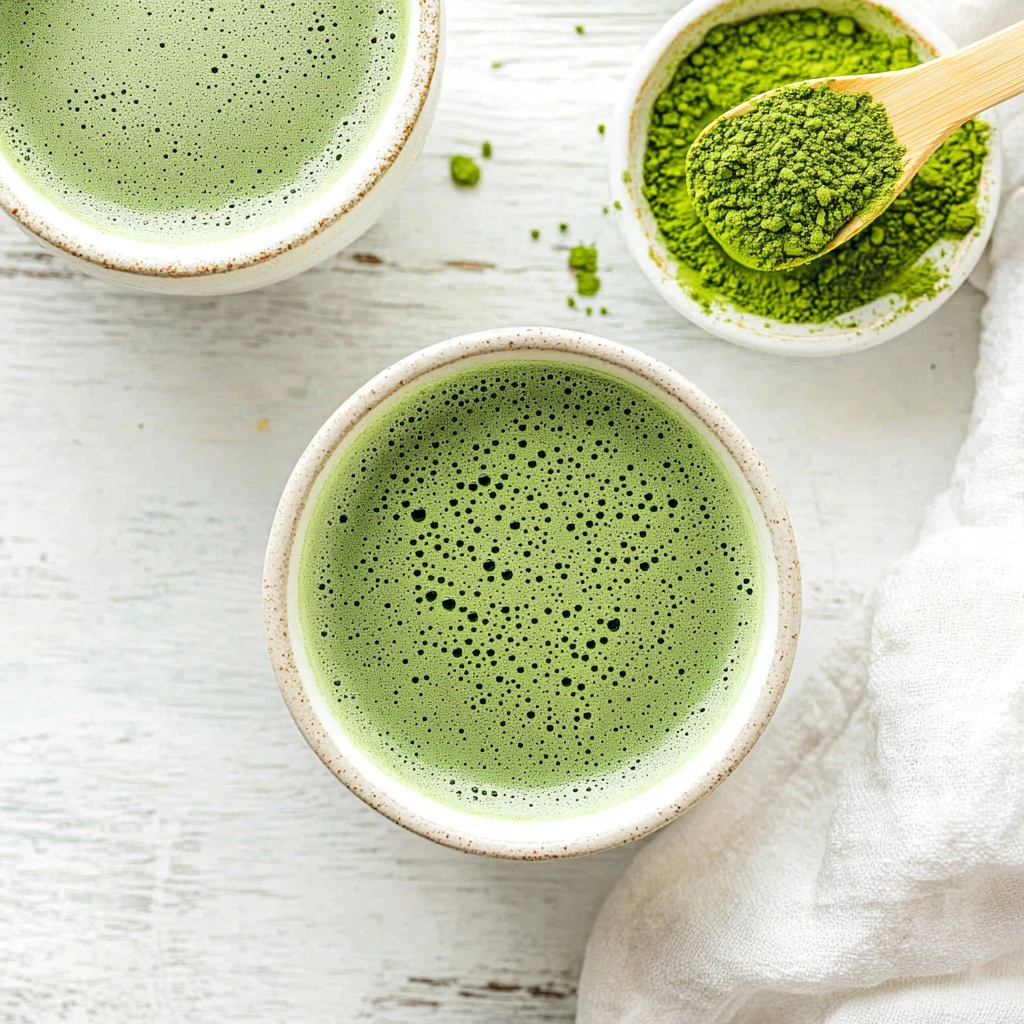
925 105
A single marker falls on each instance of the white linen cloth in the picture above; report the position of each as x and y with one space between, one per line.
865 864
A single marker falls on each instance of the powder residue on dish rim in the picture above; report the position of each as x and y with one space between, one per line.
887 260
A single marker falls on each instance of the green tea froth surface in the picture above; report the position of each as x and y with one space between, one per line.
530 589
176 122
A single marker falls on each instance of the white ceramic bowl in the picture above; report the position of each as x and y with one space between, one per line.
861 328
580 834
310 234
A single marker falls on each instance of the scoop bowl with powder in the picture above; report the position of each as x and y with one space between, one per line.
716 54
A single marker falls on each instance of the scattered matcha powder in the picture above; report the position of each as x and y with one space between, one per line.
579 30
617 205
465 172
583 257
604 311
570 302
777 183
600 129
487 150
497 64
583 260
590 310
736 62
563 228
535 234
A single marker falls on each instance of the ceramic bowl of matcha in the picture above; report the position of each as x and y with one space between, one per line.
713 55
214 153
531 594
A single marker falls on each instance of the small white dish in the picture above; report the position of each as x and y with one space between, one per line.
862 328
582 833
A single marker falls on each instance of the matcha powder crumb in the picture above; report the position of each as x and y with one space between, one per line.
583 257
583 261
736 62
776 184
465 171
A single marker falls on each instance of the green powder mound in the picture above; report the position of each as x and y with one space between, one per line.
736 62
775 185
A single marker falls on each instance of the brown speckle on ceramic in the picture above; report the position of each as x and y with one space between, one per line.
474 833
63 235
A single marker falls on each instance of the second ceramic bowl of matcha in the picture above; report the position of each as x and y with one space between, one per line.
212 153
531 594
711 56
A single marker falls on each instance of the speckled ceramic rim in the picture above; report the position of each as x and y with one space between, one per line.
48 222
865 327
571 836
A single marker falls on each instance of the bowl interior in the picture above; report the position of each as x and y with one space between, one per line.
40 217
579 833
860 328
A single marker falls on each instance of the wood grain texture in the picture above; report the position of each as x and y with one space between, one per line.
170 849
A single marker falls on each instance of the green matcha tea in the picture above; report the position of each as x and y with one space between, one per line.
530 589
177 122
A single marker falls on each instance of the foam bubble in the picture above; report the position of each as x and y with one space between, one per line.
530 589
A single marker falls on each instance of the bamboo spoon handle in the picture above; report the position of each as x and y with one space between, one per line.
939 96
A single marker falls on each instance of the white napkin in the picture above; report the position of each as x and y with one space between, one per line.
866 863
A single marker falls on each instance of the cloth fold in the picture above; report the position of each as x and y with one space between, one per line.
865 865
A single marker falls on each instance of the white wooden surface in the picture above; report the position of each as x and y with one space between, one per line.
170 849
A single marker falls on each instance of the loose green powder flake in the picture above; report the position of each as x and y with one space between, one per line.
736 62
535 234
583 257
487 150
583 260
776 184
600 129
465 171
580 30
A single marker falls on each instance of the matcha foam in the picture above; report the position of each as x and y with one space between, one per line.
530 589
176 122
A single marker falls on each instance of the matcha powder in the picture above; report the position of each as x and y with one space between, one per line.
776 184
736 62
